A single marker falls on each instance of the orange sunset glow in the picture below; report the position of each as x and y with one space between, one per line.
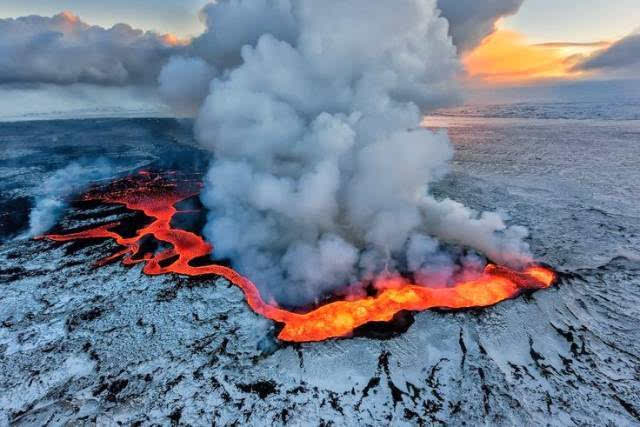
173 40
507 56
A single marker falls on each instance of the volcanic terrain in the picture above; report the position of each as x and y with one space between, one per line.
112 345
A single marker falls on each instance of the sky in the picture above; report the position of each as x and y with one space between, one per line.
541 20
179 17
576 21
543 41
551 40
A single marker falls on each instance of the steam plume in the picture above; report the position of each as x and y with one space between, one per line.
52 196
322 173
184 83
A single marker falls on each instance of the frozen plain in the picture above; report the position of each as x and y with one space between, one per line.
111 346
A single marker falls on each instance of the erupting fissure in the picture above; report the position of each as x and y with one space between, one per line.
156 195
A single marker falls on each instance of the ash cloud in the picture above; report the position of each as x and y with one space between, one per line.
321 174
472 20
64 50
52 196
622 56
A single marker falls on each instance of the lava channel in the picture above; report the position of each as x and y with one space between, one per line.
156 195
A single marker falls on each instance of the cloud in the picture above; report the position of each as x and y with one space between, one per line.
599 44
320 173
622 56
472 20
64 50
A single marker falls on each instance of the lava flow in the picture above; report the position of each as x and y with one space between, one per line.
157 195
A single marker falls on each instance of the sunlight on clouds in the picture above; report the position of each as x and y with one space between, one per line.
506 56
173 40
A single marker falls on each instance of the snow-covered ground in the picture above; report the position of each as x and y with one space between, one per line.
110 345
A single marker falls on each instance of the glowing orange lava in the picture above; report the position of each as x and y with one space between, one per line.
157 195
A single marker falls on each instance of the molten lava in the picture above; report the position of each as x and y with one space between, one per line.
157 195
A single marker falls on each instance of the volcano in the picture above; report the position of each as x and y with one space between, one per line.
157 194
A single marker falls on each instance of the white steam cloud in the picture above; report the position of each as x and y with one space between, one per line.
51 199
184 83
321 174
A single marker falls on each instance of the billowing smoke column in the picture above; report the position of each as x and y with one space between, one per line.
321 173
